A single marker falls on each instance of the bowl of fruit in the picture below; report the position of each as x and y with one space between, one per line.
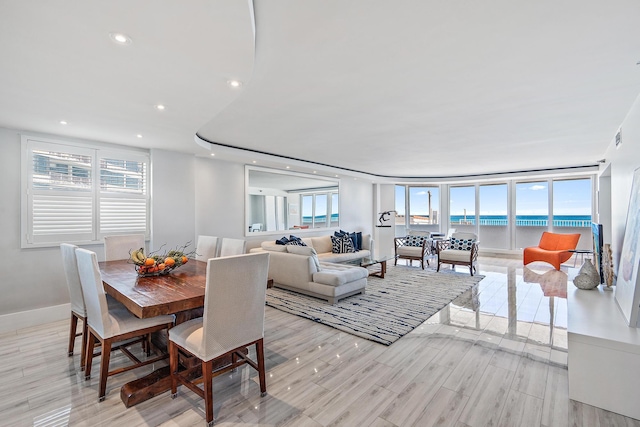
155 264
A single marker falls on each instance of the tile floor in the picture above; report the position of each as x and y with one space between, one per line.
496 356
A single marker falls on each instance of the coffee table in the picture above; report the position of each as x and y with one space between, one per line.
368 261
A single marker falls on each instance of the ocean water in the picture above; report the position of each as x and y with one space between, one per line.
526 220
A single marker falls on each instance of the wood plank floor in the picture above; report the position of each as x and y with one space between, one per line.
495 357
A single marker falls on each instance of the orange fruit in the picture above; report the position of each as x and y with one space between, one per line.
149 262
169 261
161 266
184 259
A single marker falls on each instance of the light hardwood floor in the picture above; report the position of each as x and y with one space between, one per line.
497 357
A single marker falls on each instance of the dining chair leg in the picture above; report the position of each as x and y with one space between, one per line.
88 359
173 368
207 376
72 333
261 368
85 333
104 368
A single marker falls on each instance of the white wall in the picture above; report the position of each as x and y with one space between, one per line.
622 161
29 278
219 205
173 200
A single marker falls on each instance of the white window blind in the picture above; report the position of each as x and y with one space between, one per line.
78 194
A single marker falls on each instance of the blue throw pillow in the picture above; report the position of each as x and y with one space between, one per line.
356 238
461 244
412 240
282 241
342 244
294 240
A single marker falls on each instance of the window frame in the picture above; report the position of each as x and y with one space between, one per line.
96 152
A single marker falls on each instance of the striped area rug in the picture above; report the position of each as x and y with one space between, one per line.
391 307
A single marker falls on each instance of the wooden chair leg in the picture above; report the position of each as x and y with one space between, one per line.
85 333
148 344
72 333
261 368
173 368
104 368
207 370
91 342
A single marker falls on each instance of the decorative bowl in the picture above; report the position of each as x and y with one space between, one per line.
155 264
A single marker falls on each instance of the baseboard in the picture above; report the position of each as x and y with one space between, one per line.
39 316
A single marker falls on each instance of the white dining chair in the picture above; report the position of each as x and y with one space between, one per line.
120 247
207 247
230 247
78 309
233 320
111 326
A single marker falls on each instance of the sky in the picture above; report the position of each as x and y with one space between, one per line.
570 197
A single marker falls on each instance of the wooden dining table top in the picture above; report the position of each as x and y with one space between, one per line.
182 289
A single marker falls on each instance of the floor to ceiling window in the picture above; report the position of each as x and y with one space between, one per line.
532 212
507 215
493 227
462 208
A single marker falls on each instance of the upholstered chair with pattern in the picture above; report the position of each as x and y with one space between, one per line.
461 249
416 245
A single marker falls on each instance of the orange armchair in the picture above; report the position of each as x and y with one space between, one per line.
553 248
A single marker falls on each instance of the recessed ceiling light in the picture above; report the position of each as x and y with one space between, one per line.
63 122
213 154
315 171
255 161
120 38
288 167
234 83
160 107
139 136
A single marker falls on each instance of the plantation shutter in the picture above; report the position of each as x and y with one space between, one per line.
78 194
124 201
59 193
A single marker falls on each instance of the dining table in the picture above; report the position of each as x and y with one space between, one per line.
181 293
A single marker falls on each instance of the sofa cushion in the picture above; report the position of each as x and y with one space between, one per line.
342 244
339 274
347 256
321 244
273 246
455 255
409 251
304 250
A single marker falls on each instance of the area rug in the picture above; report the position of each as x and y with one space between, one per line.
390 308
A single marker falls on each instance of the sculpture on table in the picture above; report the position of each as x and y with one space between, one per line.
383 218
588 277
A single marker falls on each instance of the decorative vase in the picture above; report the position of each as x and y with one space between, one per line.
588 277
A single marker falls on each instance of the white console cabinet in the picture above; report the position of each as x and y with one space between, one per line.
604 353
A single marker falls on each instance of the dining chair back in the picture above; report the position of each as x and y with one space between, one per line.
230 247
112 326
234 302
207 247
78 309
120 247
233 320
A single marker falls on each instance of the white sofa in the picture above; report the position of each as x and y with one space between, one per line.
319 274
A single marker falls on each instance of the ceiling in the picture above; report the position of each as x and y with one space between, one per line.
394 89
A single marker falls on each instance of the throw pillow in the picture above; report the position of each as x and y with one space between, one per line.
461 244
341 245
282 241
356 238
305 250
293 240
413 240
